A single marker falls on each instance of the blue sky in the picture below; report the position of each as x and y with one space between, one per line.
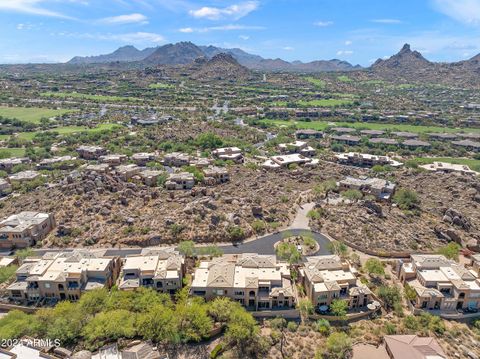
354 30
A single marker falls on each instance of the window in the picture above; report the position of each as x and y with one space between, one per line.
239 292
218 291
47 285
199 292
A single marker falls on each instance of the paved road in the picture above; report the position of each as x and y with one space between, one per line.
262 245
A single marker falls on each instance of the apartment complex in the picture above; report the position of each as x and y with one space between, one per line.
365 159
179 181
255 281
328 277
25 229
378 187
63 275
440 283
162 270
229 154
300 147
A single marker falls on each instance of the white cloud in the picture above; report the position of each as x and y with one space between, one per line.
125 19
32 7
348 43
244 37
288 48
231 27
323 23
24 26
465 11
344 52
233 12
387 21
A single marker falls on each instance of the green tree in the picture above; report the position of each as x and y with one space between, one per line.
17 324
187 248
406 199
192 320
352 195
209 140
374 267
305 306
339 308
109 326
323 326
243 333
410 293
288 252
451 250
6 273
158 324
325 187
389 295
93 302
221 308
63 322
338 248
338 345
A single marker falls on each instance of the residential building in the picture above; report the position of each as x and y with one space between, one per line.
415 144
440 283
162 270
113 159
304 134
365 159
448 167
179 181
8 261
25 229
91 152
229 154
176 159
143 158
63 275
343 130
409 135
372 133
100 168
61 162
278 162
378 187
413 347
439 136
6 164
347 139
127 171
383 141
300 147
215 175
24 176
5 187
328 277
255 281
468 144
150 177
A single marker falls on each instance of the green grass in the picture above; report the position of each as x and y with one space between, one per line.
322 125
30 114
329 102
316 82
64 95
344 78
472 163
160 85
12 152
67 130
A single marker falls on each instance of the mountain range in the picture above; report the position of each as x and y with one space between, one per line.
183 53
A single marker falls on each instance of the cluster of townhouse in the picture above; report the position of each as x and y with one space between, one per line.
440 283
258 282
25 229
380 188
294 153
366 160
8 165
177 179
